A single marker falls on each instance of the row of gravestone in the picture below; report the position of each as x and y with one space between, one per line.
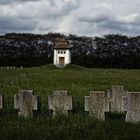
10 67
97 103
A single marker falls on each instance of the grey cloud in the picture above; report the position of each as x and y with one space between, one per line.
13 1
16 25
45 28
120 27
65 9
85 17
55 2
110 22
52 2
57 10
97 18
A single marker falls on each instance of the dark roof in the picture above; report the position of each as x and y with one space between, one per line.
61 44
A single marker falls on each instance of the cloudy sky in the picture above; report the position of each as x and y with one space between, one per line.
83 17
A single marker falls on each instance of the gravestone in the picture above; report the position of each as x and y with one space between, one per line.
1 101
124 103
97 104
25 102
115 95
60 102
133 107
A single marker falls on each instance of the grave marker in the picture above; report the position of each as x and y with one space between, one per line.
97 104
115 95
124 103
60 102
1 101
133 107
25 102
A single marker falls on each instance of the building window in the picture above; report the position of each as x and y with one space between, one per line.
61 52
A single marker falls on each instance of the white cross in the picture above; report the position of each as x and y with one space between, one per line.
60 102
25 102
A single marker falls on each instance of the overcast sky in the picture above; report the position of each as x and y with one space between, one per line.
83 17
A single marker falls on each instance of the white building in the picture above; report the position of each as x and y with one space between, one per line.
62 54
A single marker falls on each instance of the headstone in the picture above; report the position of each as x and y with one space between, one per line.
1 101
115 95
97 104
60 102
25 102
124 103
133 107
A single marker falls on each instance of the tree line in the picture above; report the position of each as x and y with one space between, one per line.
108 51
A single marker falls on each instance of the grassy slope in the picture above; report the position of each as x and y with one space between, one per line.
78 81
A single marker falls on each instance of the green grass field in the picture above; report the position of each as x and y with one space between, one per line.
79 82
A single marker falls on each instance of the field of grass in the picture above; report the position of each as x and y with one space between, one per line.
79 82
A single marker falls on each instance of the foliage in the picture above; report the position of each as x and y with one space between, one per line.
109 51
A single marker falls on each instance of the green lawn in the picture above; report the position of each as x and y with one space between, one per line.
79 82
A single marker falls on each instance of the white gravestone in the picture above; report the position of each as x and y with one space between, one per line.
115 95
97 104
60 102
25 102
132 106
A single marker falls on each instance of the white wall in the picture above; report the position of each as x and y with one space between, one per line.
66 55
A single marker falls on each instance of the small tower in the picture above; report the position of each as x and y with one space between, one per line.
62 55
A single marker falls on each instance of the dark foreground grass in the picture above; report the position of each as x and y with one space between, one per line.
78 81
75 127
